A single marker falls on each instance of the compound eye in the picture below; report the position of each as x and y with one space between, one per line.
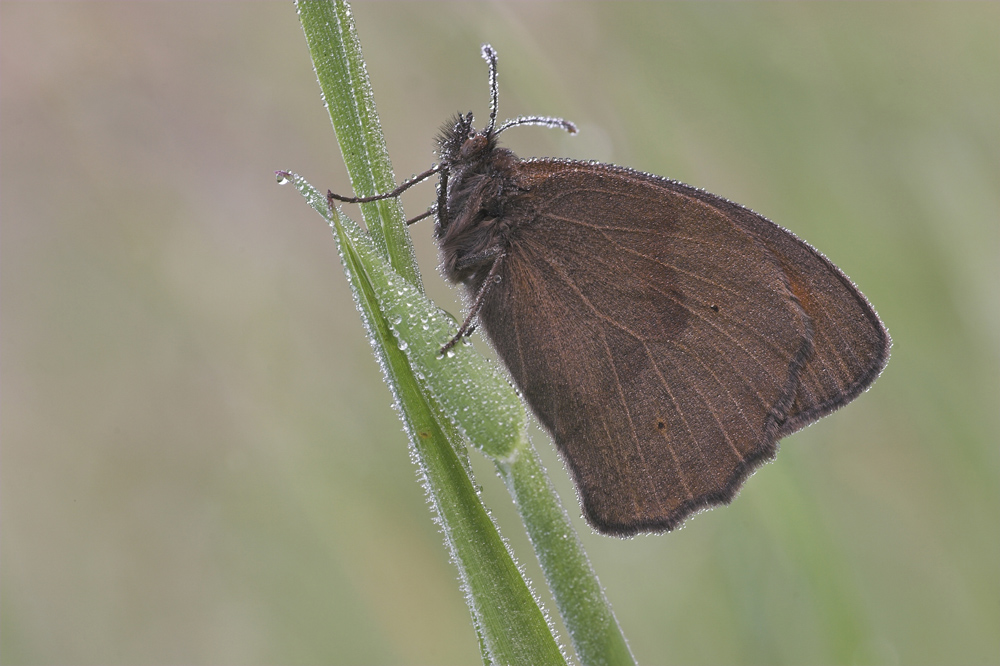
474 144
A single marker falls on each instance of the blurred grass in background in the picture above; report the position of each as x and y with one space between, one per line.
199 459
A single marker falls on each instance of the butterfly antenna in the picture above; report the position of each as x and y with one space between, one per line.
490 56
545 121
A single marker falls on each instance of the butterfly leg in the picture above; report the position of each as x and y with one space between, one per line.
414 220
468 326
407 184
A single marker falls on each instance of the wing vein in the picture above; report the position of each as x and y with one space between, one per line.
631 423
701 397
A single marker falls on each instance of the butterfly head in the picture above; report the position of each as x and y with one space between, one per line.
459 141
460 145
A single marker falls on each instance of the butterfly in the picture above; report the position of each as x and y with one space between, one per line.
666 337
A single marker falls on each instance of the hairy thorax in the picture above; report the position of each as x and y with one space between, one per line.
475 226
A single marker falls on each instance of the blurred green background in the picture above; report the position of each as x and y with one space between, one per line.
200 463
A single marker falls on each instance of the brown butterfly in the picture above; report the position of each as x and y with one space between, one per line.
666 337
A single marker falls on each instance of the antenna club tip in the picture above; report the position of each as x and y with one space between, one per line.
489 53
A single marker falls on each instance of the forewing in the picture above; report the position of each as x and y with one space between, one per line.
658 341
850 344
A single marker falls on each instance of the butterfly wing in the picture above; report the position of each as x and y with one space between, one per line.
850 344
666 340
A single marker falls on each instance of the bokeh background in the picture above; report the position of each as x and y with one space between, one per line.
200 463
